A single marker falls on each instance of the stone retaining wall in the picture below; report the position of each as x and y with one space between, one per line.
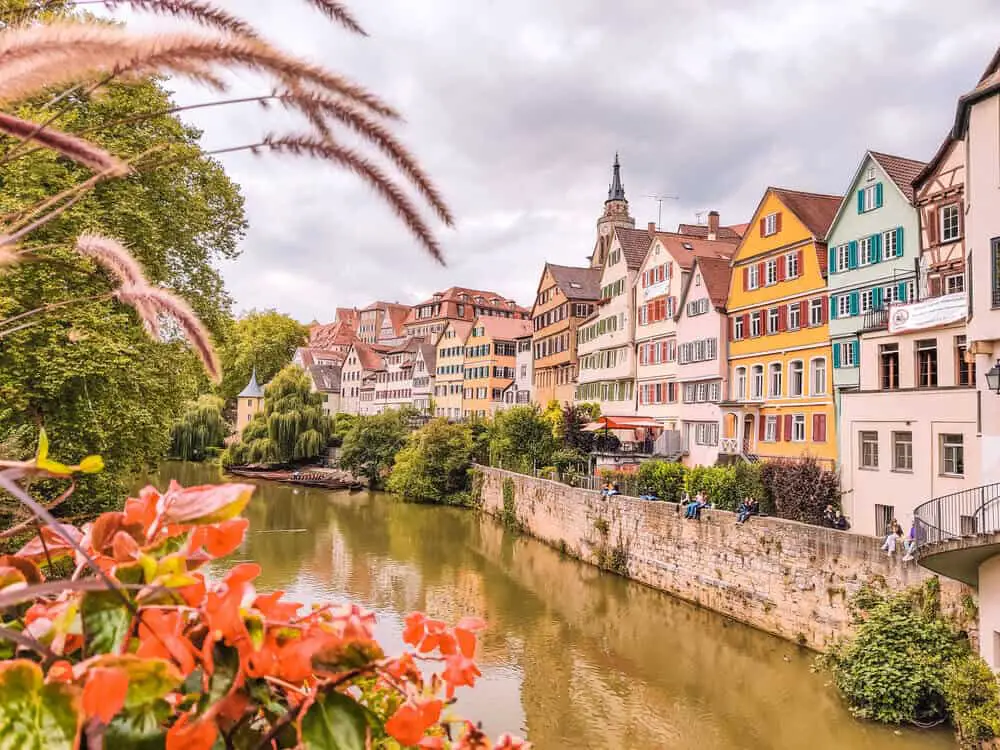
787 578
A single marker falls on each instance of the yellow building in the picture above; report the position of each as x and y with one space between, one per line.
249 402
780 403
449 376
490 365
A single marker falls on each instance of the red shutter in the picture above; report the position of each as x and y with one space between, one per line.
732 329
777 222
825 307
761 277
760 427
782 318
746 325
802 259
746 278
663 352
803 313
777 429
788 427
819 428
931 222
781 268
935 284
762 234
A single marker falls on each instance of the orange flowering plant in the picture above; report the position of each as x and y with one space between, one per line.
139 649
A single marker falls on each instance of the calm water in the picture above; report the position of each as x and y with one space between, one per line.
575 659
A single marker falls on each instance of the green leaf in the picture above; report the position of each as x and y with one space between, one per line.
34 715
148 679
106 622
139 729
227 666
334 722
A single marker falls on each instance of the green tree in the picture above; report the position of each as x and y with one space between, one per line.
371 446
433 466
87 371
264 339
200 428
664 479
521 438
292 427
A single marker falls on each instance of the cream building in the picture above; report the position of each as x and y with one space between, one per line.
449 378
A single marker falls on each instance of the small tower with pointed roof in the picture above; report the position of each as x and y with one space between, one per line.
249 402
615 215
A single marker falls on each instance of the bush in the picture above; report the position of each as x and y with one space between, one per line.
893 668
567 460
718 483
973 697
434 465
521 439
799 490
665 479
371 446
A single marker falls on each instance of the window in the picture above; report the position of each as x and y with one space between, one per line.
950 216
740 384
771 272
772 320
770 224
867 300
890 244
817 368
902 451
755 324
753 276
869 449
795 377
869 198
966 370
757 383
816 312
888 357
847 358
799 428
738 332
774 380
770 429
792 266
844 306
794 313
952 455
867 251
843 257
927 363
954 283
884 516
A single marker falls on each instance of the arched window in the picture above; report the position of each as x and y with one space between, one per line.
817 376
757 383
774 380
796 379
740 384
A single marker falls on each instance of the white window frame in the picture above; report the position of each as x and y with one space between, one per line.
889 243
813 391
869 199
844 306
868 449
843 257
771 224
791 379
897 441
866 251
816 312
740 384
774 380
757 383
792 266
771 272
952 451
738 332
753 276
794 317
870 174
867 300
770 428
798 428
950 287
755 317
950 220
773 320
847 354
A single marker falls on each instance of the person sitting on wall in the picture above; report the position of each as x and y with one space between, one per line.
893 539
693 509
615 490
747 508
608 489
649 496
910 545
840 521
829 517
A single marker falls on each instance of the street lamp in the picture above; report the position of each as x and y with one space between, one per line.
993 378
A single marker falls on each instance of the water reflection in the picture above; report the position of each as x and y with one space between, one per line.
573 657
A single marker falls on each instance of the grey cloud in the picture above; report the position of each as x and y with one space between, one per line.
517 107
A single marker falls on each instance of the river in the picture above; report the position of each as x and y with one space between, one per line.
573 658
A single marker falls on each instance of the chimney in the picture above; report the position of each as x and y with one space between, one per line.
651 228
713 225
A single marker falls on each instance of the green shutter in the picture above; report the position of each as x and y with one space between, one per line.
876 248
861 201
831 258
899 242
833 308
901 294
836 356
855 302
852 254
878 195
877 297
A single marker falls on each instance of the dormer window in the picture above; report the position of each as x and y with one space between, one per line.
870 173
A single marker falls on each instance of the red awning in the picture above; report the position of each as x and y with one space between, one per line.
622 423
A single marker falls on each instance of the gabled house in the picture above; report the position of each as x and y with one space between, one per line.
325 380
449 378
702 367
394 383
524 365
423 378
383 323
428 318
490 358
357 376
780 402
305 357
249 402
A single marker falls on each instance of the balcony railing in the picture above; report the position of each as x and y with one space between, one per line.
729 445
875 319
966 513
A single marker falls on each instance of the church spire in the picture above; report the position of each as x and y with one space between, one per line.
616 191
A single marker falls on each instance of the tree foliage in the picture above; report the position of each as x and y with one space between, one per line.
573 437
264 339
799 490
292 426
521 438
200 429
370 448
434 465
664 479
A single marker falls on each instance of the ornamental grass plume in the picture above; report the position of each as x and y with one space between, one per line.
79 150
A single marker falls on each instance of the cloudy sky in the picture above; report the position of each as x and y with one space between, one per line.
516 108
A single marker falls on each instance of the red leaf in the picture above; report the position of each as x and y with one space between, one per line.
142 510
160 636
60 671
56 545
412 720
30 571
188 735
269 606
221 539
205 503
124 548
104 693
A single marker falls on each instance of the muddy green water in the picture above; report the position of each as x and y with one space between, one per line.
574 658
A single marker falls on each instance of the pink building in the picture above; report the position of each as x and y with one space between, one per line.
702 358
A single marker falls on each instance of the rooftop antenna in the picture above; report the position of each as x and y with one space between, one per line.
699 214
659 206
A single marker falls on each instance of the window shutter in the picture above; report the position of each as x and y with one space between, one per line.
777 222
819 428
931 223
877 247
804 314
788 428
878 195
852 254
746 278
760 427
857 363
746 325
777 429
935 286
833 307
836 356
861 201
762 227
825 316
782 318
899 242
855 302
761 278
799 265
732 329
781 268
877 297
831 259
901 292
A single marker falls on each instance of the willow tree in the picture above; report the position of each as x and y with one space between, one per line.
200 428
292 426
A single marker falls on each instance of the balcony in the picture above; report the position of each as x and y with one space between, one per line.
729 446
876 319
958 532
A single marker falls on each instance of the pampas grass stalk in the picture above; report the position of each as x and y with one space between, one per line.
77 149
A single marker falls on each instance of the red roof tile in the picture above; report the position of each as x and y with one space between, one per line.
815 210
684 248
577 283
716 273
701 230
634 244
901 170
504 329
368 357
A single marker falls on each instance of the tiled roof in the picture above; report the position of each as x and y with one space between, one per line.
577 283
684 248
740 229
397 316
504 329
330 335
901 170
368 357
701 230
715 272
460 327
309 355
453 294
326 378
815 210
634 244
429 354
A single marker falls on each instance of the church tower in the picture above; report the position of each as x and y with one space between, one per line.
615 215
249 402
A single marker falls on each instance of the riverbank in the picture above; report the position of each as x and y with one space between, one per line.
787 578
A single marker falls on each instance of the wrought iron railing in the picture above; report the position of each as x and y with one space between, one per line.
875 319
729 445
966 513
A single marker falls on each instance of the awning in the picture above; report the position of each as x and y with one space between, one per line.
622 423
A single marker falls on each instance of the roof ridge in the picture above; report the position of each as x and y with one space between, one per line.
806 192
896 156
